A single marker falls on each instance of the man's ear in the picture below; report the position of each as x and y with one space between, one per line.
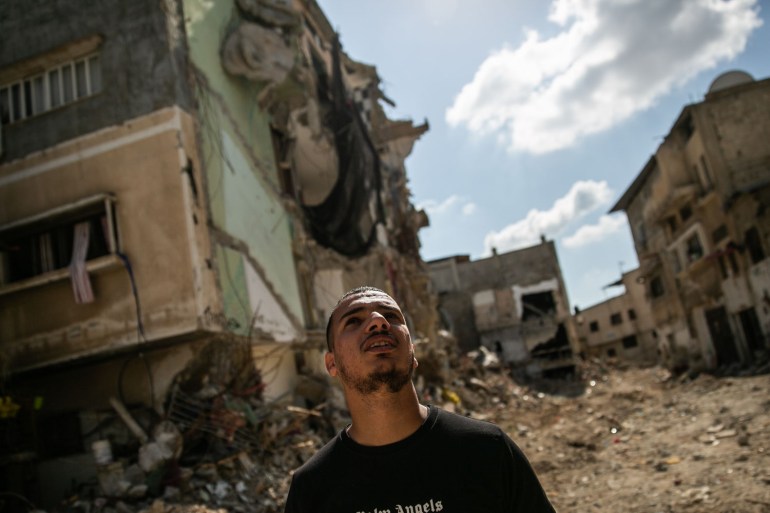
331 366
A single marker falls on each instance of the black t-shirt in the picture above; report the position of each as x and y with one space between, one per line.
451 464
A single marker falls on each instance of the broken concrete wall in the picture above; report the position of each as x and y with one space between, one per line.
158 289
142 65
517 302
252 228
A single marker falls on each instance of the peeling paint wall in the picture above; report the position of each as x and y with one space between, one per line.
241 179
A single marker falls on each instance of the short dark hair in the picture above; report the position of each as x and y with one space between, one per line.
357 290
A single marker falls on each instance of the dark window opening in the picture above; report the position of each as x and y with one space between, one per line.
694 248
282 163
594 326
539 304
632 314
630 342
656 287
556 348
47 244
616 319
754 245
685 212
688 128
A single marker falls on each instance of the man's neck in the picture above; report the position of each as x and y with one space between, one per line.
383 418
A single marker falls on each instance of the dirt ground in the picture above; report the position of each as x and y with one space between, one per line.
615 440
640 440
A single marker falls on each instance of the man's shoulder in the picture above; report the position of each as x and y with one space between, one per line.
463 429
321 459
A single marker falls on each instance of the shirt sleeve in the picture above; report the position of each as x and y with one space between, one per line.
293 498
525 493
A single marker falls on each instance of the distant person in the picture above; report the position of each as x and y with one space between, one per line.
398 455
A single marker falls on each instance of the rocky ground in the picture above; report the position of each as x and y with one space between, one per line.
616 439
640 440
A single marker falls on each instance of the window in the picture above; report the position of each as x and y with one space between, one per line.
694 248
656 287
594 326
45 243
632 314
630 342
56 86
616 319
754 245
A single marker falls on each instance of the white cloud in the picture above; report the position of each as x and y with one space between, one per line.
590 233
610 60
439 208
582 198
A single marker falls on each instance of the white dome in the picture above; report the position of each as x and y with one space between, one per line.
729 79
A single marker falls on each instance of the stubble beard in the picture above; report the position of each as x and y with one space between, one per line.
393 380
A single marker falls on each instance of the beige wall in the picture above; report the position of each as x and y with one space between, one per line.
161 229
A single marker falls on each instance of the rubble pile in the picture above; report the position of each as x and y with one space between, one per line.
218 445
644 440
615 438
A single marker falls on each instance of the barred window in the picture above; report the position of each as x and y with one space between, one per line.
56 86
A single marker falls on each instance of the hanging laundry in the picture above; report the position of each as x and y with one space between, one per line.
81 282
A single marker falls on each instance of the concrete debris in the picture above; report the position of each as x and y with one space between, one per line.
275 13
618 435
257 53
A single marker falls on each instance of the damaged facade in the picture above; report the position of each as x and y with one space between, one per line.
621 327
699 217
513 304
179 180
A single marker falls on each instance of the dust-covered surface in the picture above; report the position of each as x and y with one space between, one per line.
640 440
613 439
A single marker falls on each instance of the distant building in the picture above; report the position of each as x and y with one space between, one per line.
700 221
514 304
621 327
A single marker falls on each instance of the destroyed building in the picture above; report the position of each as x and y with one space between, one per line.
699 218
513 304
621 327
180 180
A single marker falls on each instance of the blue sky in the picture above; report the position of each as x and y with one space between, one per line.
542 113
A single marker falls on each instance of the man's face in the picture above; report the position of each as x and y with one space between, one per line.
371 349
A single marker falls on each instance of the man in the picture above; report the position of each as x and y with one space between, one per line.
397 455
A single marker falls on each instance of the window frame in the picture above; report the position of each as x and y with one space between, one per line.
55 217
19 99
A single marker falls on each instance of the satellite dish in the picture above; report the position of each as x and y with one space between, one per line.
730 79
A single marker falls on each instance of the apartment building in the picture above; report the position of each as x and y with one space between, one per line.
701 227
177 177
620 327
514 304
